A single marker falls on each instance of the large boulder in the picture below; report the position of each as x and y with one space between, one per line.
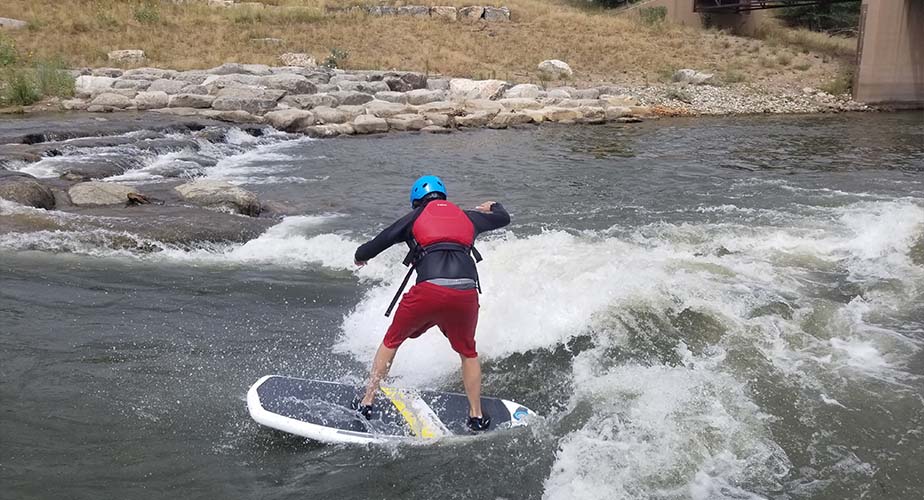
168 86
89 86
26 190
251 100
331 130
241 69
309 101
508 119
553 69
215 83
221 195
407 122
476 119
327 115
523 90
96 168
111 100
366 87
496 14
414 11
197 101
350 98
472 13
128 56
384 109
390 96
519 103
12 24
138 85
295 84
298 59
464 88
691 76
585 94
405 82
289 120
151 100
424 96
447 13
150 73
368 124
99 193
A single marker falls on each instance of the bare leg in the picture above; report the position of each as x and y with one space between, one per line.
380 365
471 379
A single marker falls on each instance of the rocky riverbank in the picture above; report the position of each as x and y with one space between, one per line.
322 102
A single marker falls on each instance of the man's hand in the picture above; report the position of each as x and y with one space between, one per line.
485 207
359 263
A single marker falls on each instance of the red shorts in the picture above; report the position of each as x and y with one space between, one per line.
427 305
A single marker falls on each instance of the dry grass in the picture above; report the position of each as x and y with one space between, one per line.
598 44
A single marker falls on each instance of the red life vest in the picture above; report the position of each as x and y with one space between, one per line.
443 222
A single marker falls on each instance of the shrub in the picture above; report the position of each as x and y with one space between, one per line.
784 59
803 66
823 17
19 89
336 58
51 79
842 82
679 95
652 15
147 14
8 54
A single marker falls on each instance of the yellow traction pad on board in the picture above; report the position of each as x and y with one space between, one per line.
421 419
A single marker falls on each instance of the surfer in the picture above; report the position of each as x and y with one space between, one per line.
440 238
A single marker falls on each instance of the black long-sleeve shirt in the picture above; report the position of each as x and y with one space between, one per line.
448 265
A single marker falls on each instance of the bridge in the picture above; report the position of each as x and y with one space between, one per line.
890 44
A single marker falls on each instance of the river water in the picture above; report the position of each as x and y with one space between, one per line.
707 308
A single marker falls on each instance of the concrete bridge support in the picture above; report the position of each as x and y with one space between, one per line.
890 53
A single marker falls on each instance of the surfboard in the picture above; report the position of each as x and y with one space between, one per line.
320 410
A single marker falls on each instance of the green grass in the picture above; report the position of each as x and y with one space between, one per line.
842 83
24 86
147 14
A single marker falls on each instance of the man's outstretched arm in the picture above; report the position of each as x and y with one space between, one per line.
488 216
398 232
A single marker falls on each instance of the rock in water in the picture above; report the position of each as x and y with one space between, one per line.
99 193
26 190
368 124
691 76
554 69
289 120
130 56
220 194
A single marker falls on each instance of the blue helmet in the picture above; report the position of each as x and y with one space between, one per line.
426 185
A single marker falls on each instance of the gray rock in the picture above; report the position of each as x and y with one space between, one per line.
553 69
217 82
295 84
350 98
524 90
194 89
509 119
326 115
519 103
424 96
241 69
235 116
99 193
298 59
368 124
253 101
405 82
74 105
12 24
197 101
194 77
382 10
111 100
472 13
289 120
477 119
438 84
128 56
353 111
89 86
585 94
561 92
691 76
149 73
95 168
26 190
496 14
219 194
447 13
137 85
384 109
168 86
464 88
346 77
414 11
365 87
439 119
110 72
325 88
309 101
151 100
406 122
389 96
